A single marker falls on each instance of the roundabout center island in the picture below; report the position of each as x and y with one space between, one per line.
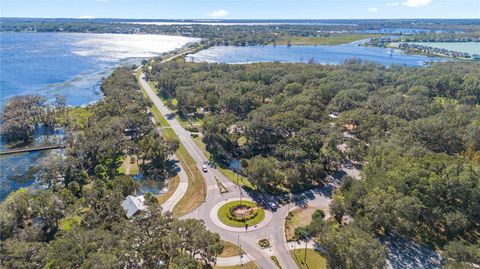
240 214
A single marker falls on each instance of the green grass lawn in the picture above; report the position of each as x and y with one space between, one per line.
241 180
172 187
190 121
134 169
154 88
230 250
198 141
197 190
314 259
223 214
159 118
138 73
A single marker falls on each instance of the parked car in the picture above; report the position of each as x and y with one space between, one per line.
204 168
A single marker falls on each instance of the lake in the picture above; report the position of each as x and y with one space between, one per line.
320 54
467 47
70 64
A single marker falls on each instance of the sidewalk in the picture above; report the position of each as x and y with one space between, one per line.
232 261
179 192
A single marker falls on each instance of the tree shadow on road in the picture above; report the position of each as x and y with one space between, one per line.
404 253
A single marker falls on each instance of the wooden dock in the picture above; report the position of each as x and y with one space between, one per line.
32 149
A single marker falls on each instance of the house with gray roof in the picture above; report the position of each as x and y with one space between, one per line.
134 205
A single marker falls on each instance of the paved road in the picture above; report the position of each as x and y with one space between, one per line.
248 239
182 187
179 192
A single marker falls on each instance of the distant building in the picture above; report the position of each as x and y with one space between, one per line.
133 205
333 115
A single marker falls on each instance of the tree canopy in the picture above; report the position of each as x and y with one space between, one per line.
79 222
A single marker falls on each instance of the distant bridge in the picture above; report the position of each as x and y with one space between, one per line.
32 149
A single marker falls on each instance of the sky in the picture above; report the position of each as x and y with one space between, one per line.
241 9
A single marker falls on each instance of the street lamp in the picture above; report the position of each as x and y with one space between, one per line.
239 188
240 250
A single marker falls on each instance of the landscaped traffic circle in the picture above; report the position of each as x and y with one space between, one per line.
241 213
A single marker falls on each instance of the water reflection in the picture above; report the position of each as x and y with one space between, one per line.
16 170
149 185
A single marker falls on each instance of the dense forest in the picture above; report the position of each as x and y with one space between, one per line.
415 131
78 222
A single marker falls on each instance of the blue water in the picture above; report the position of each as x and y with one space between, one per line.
16 171
73 65
320 54
69 64
45 64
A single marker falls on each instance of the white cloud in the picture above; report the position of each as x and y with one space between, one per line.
373 9
86 17
218 13
392 4
416 3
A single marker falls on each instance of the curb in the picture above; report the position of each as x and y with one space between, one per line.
216 220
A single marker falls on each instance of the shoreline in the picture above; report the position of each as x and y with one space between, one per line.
29 160
412 51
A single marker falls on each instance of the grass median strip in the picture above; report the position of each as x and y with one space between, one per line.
172 187
197 190
275 261
230 250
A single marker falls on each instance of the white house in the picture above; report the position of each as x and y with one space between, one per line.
133 205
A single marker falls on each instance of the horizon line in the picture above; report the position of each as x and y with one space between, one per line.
231 19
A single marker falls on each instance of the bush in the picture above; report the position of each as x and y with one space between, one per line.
289 216
232 216
275 260
192 129
264 243
318 214
225 214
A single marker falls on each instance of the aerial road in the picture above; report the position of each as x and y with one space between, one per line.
248 239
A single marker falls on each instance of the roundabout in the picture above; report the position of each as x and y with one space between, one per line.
239 216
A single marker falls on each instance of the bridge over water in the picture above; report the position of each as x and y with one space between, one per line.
32 149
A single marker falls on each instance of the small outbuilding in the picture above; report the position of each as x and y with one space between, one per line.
133 205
